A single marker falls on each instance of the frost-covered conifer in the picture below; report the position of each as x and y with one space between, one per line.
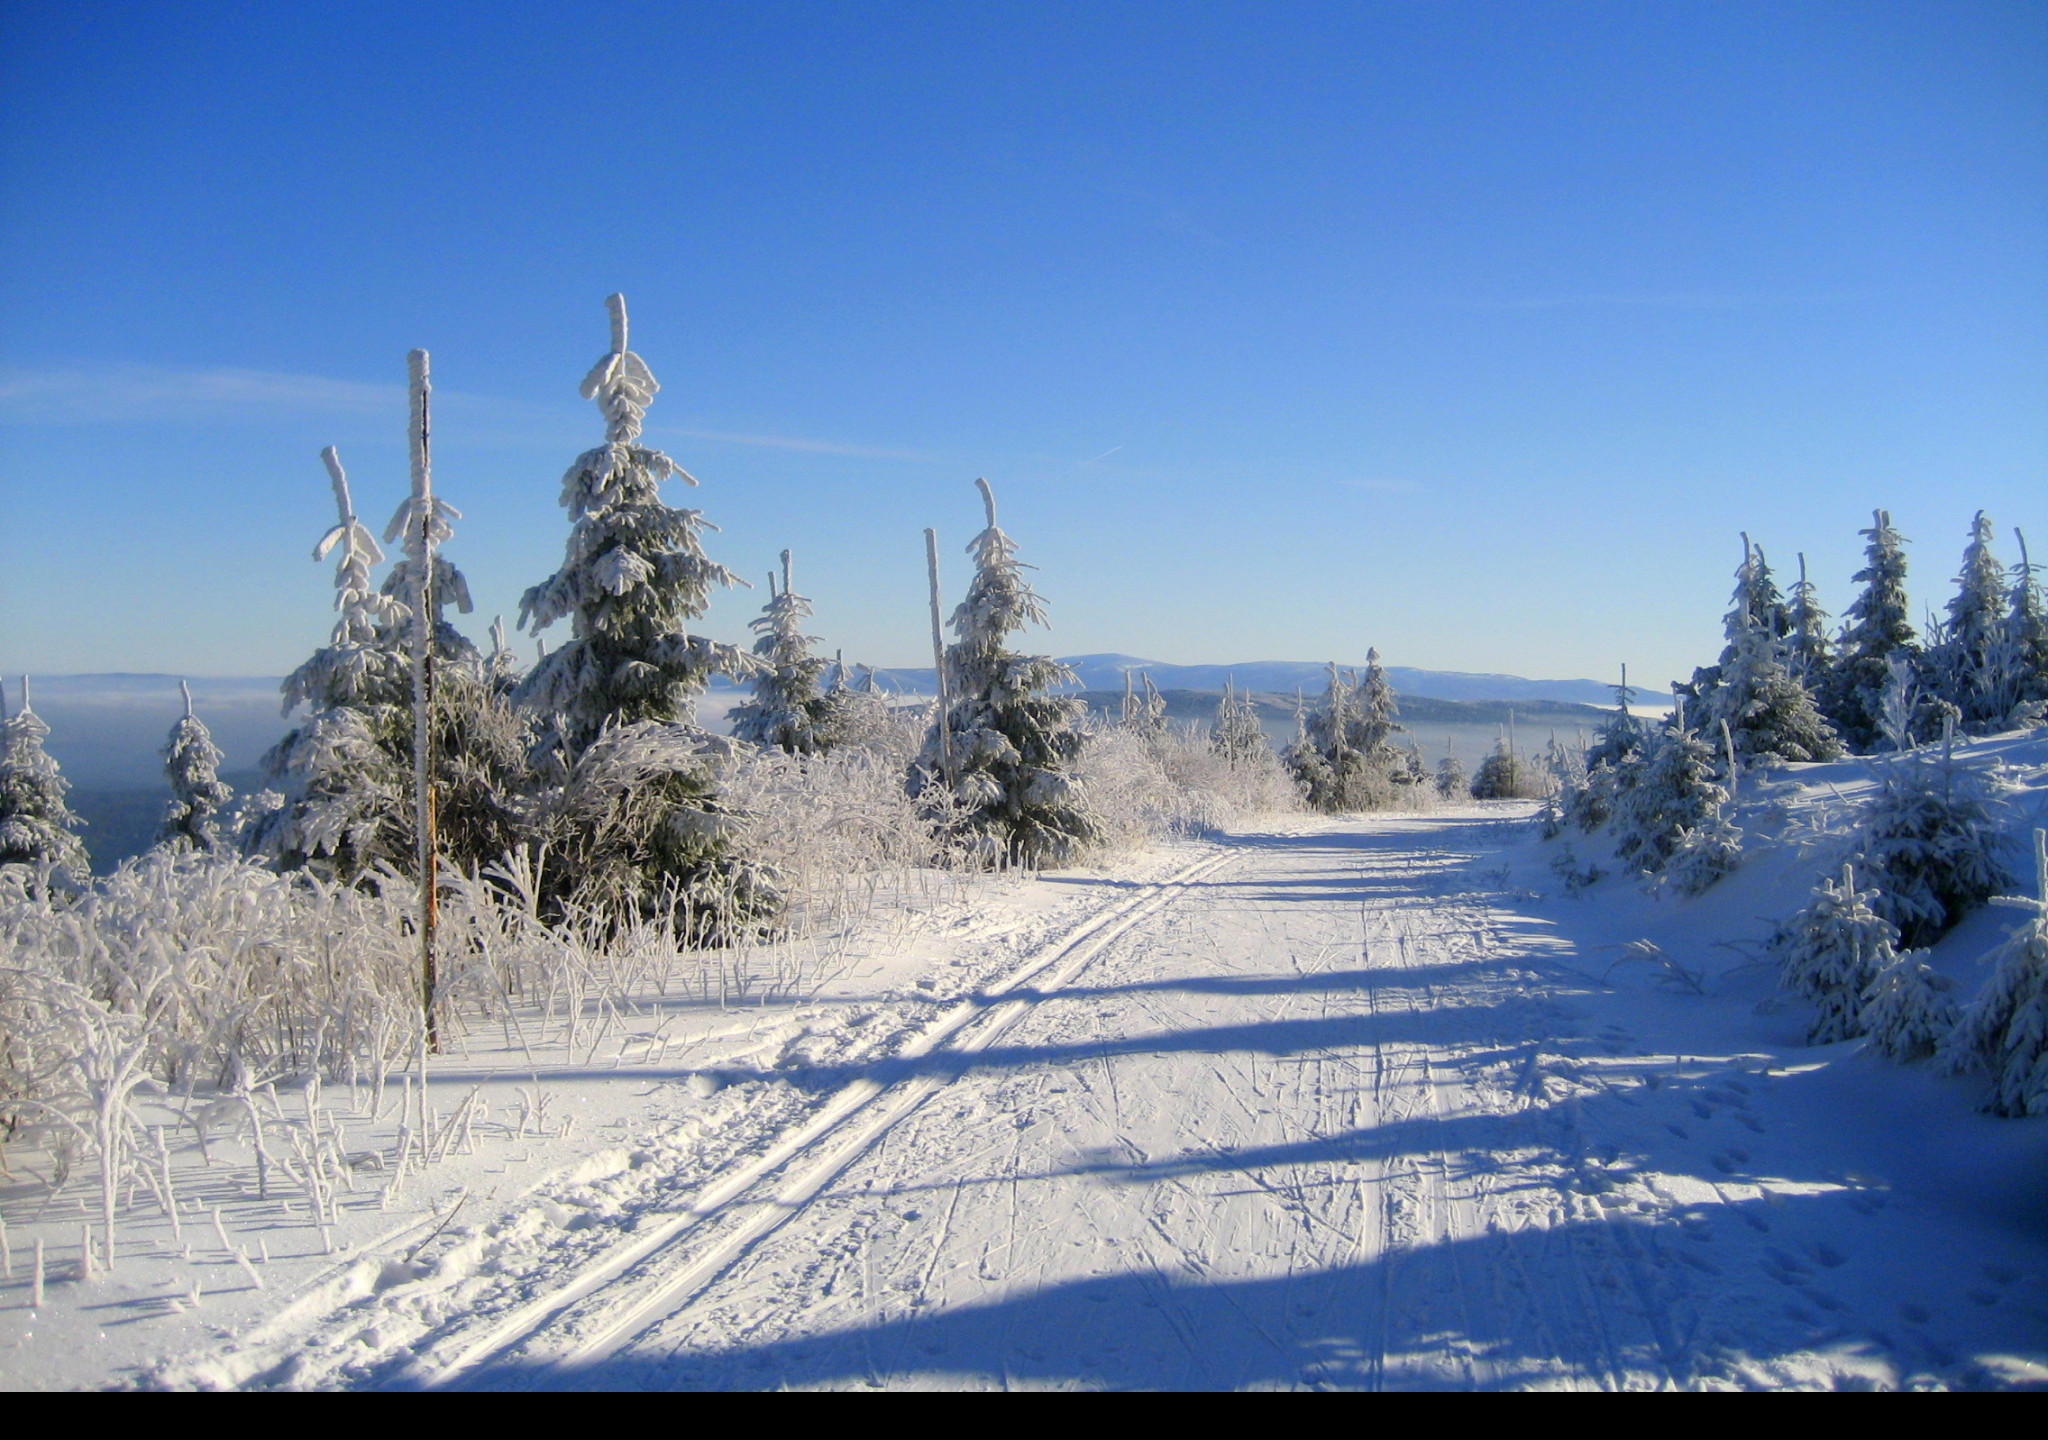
1013 741
1375 717
1768 712
2026 628
1237 735
634 576
1807 653
340 797
36 826
501 666
1500 775
1928 841
787 707
1877 627
1345 756
2005 1029
1144 711
1968 668
192 765
1907 1011
1835 950
1305 760
1670 805
359 665
1450 774
1607 766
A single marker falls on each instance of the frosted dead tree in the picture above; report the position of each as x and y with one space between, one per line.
633 577
787 707
1013 742
36 826
192 765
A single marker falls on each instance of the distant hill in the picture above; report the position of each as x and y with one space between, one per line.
1283 677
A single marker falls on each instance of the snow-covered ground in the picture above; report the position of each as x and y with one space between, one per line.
1358 1102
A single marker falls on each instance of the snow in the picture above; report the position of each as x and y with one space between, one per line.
1360 1101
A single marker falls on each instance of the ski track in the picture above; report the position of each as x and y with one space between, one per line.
1312 1113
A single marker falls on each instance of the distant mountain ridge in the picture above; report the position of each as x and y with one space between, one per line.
1283 677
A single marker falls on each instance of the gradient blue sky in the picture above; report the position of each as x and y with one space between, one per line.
1471 331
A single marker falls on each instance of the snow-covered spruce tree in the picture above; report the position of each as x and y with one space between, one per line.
1876 626
1013 742
1307 764
36 826
1450 775
2026 627
192 765
337 778
1237 735
1670 807
340 798
1834 951
1807 653
634 576
630 815
1907 1010
1928 841
1968 667
1375 718
787 706
1501 775
1607 762
1767 709
2005 1029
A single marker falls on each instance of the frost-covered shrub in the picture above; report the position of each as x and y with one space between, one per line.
1668 805
2005 1029
1928 841
639 827
1147 790
1835 950
1703 854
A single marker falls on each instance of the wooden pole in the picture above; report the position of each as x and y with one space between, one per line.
423 690
931 560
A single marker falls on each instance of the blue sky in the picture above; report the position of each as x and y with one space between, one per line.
1475 332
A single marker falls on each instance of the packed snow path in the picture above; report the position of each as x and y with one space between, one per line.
1332 1109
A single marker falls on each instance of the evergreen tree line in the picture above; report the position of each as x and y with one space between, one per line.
589 764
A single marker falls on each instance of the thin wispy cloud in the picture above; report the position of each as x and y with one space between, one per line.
795 442
1676 300
114 393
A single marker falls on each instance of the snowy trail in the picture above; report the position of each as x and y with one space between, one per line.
1354 1104
1250 1143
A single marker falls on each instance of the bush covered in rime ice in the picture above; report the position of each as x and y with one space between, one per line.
2005 1030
